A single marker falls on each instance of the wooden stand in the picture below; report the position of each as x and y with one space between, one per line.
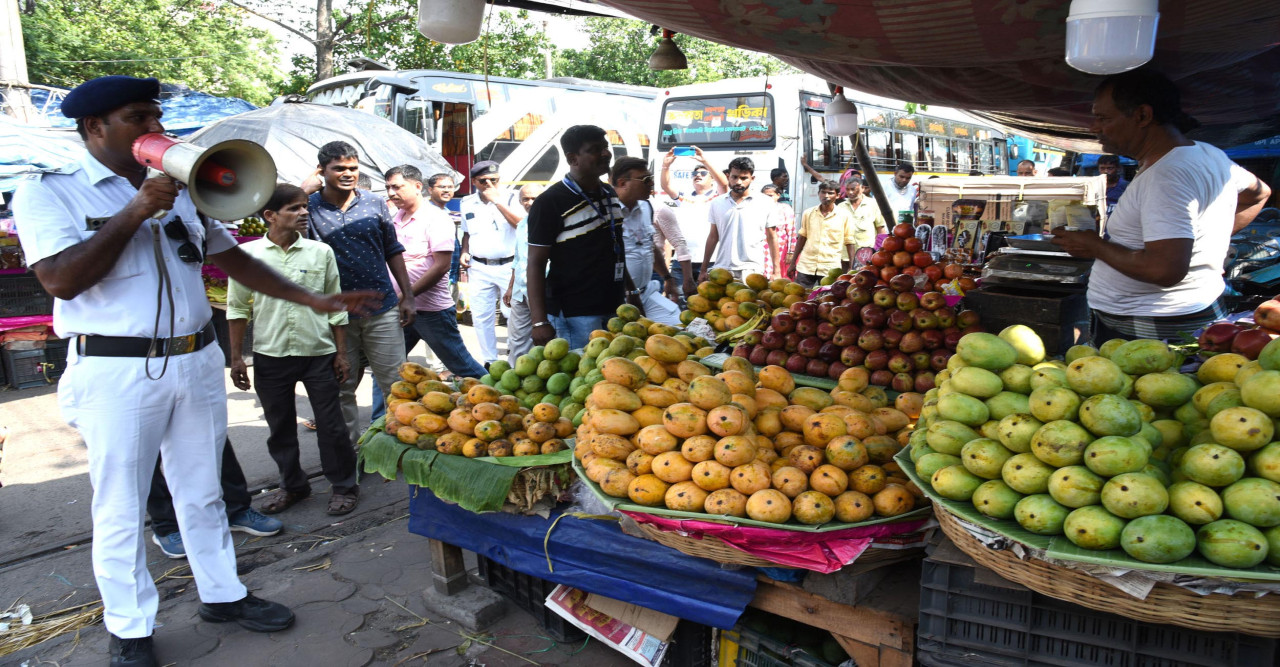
879 631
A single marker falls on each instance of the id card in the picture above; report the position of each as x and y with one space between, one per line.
617 271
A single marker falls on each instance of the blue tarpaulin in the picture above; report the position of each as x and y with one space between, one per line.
1263 148
185 110
594 556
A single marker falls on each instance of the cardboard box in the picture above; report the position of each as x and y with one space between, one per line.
1002 192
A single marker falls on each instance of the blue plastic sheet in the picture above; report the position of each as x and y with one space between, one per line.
592 555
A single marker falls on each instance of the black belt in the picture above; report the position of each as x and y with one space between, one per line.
126 346
493 262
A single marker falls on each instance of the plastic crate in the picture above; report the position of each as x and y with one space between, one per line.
21 294
690 646
967 623
530 594
743 647
24 368
55 357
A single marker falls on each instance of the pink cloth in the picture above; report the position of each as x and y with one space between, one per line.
429 230
11 323
823 552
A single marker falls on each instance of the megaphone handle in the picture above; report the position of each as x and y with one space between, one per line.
152 172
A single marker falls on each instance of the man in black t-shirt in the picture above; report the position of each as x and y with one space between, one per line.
575 228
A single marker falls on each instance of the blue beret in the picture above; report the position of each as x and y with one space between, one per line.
484 167
99 96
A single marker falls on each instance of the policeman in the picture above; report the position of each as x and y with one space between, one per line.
489 221
144 374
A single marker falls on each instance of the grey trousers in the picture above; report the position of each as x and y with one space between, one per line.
380 340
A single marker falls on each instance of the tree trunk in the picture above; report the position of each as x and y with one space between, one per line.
324 39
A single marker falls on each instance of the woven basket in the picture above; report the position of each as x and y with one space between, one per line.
716 549
1166 603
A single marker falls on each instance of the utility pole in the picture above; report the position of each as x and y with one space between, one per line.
13 64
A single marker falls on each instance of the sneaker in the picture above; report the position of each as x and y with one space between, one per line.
170 545
255 523
139 652
250 612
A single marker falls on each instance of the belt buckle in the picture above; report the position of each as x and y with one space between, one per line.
181 344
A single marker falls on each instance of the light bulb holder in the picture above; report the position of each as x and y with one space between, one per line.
841 116
667 55
1111 36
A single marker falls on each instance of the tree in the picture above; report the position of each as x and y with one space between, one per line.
620 48
205 46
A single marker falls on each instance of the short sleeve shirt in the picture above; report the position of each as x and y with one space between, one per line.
65 207
491 236
428 231
363 238
867 221
580 278
741 225
826 237
1190 193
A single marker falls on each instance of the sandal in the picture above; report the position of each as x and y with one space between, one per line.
309 424
281 500
342 503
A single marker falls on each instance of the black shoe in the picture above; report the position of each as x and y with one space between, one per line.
251 613
139 652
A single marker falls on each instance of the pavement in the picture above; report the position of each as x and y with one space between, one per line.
357 584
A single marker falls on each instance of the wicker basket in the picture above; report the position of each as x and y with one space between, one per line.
716 549
1166 603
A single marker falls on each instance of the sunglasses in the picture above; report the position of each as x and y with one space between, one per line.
187 252
646 179
493 179
701 172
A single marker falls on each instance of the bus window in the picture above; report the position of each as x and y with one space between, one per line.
545 167
906 147
935 154
722 121
417 116
379 102
962 151
878 148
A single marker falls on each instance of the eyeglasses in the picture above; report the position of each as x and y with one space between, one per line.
482 181
187 252
701 172
645 179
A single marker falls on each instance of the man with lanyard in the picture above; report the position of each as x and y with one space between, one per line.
1109 166
1159 270
139 383
426 231
489 219
519 325
691 207
742 227
633 184
577 269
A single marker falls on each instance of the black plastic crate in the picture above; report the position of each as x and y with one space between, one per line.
967 623
690 646
530 594
21 294
55 357
25 368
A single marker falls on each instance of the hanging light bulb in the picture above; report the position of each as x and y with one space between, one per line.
1111 36
841 116
668 54
450 21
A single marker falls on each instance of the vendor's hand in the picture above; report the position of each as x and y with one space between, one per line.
670 289
542 334
156 194
360 302
689 287
240 374
407 311
1083 244
702 277
668 159
341 367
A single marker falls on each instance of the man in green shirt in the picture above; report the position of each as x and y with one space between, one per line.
293 344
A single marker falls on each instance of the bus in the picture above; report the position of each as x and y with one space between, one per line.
779 120
514 122
1044 156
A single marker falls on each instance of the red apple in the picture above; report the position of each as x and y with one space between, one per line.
1250 342
892 337
852 356
921 360
967 318
891 245
826 330
921 259
753 337
876 360
902 382
816 368
742 350
824 309
783 323
796 363
933 338
913 270
887 273
881 259
865 279
912 342
759 356
946 317
951 337
836 369
809 347
791 341
908 301
912 244
871 339
938 360
804 310
977 328
860 295
899 320
901 259
839 287
840 315
806 328
882 378
903 230
829 352
872 316
846 335
826 297
924 381
1267 314
902 283
900 363
933 300
776 358
885 298
923 319
934 272
771 340
1219 337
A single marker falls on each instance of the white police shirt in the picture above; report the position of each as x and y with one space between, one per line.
492 237
64 207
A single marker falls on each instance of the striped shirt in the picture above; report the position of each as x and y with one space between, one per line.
584 249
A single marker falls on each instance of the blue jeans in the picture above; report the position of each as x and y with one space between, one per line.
577 329
440 330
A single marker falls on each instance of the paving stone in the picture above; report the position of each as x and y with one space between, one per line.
373 591
183 643
359 605
374 639
315 587
326 651
245 648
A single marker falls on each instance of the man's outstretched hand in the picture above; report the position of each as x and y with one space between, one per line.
358 303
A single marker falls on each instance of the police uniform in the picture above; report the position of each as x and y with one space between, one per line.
125 417
492 245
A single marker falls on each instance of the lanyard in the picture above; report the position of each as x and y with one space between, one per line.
601 209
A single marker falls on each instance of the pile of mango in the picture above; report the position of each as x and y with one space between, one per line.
726 304
1113 448
474 420
673 435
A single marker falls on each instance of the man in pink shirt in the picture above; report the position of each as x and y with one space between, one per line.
427 233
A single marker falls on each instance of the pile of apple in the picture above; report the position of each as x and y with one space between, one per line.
901 253
1239 338
902 338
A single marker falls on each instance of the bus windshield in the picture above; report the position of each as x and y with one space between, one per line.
723 121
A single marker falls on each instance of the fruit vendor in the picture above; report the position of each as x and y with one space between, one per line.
1158 268
144 373
826 239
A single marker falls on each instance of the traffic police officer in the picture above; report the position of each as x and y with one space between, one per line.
489 221
144 375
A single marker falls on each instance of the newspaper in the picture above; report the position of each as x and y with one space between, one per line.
571 604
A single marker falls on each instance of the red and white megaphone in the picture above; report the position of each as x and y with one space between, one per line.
228 181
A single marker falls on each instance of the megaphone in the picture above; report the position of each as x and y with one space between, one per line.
227 181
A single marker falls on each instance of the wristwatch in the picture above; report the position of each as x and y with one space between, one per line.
540 324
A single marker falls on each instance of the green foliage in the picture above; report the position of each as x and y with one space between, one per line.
620 48
206 46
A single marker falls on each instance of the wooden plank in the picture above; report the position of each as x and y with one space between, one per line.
863 624
448 573
865 655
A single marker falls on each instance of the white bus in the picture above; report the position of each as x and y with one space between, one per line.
778 120
515 122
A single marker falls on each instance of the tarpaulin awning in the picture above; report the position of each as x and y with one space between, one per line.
185 110
1002 58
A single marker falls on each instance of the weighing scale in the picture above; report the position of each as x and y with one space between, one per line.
1032 262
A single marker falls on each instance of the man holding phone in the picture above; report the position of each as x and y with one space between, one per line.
691 209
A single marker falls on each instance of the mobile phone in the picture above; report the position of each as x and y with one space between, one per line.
684 151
